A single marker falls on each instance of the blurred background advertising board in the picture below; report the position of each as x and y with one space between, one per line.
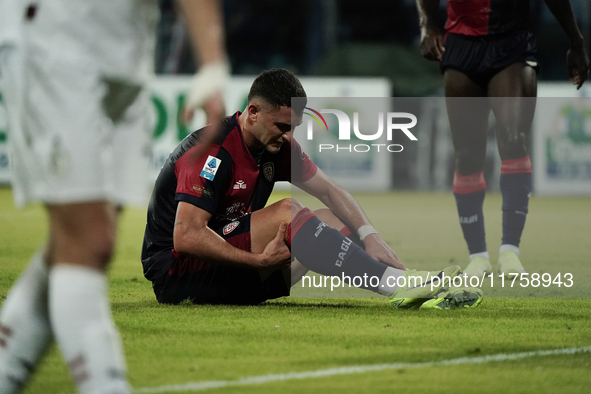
562 141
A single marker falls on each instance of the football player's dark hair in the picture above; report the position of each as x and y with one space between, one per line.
277 86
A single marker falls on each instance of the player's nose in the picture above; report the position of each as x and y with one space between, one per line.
287 136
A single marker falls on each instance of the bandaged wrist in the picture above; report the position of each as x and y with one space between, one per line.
366 230
211 78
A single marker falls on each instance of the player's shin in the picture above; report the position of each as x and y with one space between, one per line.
469 192
25 333
328 252
516 188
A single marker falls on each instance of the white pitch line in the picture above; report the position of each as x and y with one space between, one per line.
355 369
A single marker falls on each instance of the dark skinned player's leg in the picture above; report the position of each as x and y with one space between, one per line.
513 99
317 240
468 111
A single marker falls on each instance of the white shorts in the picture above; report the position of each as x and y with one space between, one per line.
77 132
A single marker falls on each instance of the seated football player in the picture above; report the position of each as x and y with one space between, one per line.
210 239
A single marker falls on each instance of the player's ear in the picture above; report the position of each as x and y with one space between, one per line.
253 109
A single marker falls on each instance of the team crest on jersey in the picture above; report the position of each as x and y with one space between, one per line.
211 166
269 171
228 228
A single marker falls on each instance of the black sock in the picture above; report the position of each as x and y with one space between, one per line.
472 219
516 189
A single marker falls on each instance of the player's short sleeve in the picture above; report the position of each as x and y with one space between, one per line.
202 181
302 167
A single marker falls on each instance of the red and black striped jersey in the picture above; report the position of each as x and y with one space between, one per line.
486 17
228 181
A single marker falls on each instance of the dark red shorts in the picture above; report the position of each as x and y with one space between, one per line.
482 57
203 282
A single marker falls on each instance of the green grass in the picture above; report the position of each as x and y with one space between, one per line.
179 344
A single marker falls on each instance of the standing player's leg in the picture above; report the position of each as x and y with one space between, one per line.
83 243
67 150
25 332
468 110
513 99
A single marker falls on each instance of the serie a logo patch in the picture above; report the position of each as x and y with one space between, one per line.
211 166
228 228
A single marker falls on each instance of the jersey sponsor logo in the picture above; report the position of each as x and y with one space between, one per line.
268 171
240 185
200 190
228 228
211 166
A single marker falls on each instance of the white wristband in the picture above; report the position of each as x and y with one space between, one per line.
365 230
211 78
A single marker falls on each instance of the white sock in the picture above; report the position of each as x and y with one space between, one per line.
481 254
506 247
25 333
388 283
84 329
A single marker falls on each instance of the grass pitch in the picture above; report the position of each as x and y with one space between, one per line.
175 345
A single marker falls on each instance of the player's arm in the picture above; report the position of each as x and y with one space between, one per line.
204 20
577 60
344 206
192 237
432 47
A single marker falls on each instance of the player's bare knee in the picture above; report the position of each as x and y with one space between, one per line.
513 145
467 163
103 248
294 207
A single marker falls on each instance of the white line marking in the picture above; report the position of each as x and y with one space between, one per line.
355 369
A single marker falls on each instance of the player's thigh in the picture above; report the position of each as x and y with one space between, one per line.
517 80
468 110
513 100
82 233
